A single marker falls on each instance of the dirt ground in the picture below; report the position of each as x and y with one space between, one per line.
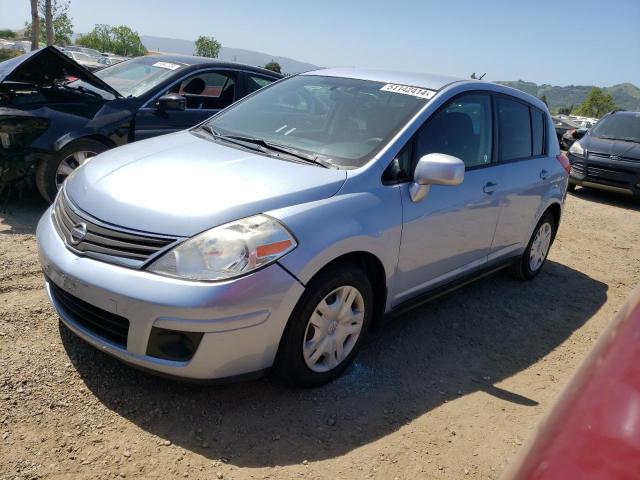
451 390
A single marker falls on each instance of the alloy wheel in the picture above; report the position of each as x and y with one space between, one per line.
70 163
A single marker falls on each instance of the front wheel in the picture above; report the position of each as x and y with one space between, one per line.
535 255
52 172
326 327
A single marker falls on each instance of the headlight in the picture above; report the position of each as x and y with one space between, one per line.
576 149
227 251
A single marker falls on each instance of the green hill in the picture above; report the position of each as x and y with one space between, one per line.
626 95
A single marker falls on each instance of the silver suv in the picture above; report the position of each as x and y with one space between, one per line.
279 231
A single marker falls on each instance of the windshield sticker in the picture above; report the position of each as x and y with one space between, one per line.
167 65
407 90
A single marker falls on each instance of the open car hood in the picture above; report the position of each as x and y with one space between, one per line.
45 67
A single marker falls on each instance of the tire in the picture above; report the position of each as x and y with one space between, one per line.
523 268
295 359
49 177
571 187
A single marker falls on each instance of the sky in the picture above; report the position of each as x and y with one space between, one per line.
586 42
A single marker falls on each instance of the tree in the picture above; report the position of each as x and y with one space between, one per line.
35 22
62 23
273 66
207 47
543 98
596 104
7 33
120 40
48 21
565 110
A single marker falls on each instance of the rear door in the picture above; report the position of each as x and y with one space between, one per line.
450 232
526 167
206 92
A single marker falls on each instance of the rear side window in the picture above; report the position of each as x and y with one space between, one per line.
515 129
537 132
255 82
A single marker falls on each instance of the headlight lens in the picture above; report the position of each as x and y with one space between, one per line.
577 149
227 251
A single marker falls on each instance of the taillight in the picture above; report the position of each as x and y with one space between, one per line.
564 161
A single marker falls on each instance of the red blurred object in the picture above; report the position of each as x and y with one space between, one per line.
564 161
593 430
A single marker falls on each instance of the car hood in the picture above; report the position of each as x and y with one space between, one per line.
611 147
182 184
45 67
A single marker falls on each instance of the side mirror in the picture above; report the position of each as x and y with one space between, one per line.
579 133
435 169
171 101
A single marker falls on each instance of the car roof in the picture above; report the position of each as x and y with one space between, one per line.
191 60
423 80
426 80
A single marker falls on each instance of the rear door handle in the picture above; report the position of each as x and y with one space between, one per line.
544 174
490 187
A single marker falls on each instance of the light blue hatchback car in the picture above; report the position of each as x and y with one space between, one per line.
281 230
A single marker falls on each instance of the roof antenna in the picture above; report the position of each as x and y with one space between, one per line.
482 76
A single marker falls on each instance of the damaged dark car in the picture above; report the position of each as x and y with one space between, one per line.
55 114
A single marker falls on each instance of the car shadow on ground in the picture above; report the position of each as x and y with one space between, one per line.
606 197
464 342
20 211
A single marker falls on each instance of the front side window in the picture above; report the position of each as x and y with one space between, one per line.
207 90
515 129
342 121
463 129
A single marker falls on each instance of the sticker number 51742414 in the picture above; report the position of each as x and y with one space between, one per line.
408 90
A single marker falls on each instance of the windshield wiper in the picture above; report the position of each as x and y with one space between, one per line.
621 139
218 135
83 90
264 145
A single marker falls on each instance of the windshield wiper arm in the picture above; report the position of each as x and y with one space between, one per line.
280 148
263 145
230 139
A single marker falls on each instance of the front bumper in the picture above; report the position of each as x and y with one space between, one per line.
600 172
241 320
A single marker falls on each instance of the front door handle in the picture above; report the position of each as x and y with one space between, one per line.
544 174
490 187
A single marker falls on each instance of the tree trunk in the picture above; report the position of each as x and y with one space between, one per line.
35 25
48 16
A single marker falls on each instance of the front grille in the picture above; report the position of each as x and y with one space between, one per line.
577 169
103 242
104 324
612 175
606 156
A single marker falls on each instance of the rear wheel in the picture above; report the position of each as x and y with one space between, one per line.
327 327
52 172
535 255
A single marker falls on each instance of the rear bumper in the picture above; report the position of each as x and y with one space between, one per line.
615 175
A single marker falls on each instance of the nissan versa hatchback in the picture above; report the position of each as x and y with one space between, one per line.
280 231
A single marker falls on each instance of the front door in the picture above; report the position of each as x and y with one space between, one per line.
206 93
451 230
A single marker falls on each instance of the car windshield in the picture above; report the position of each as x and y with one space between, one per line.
79 56
133 78
342 121
619 127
